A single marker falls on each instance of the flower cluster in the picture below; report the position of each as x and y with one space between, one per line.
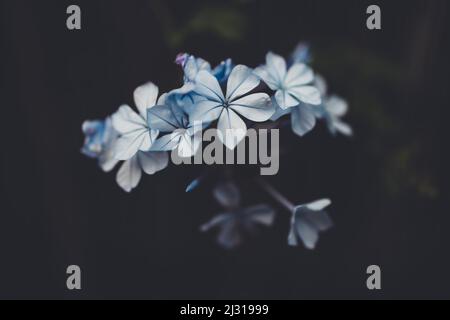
231 98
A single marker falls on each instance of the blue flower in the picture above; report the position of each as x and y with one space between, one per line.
307 221
181 134
236 220
191 67
100 138
301 54
212 104
223 70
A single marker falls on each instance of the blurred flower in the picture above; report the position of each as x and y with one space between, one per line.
130 172
223 70
332 109
135 133
100 138
172 119
301 54
236 220
213 105
335 108
307 221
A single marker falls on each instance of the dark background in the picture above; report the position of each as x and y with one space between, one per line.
387 183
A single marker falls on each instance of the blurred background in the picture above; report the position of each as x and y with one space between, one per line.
387 183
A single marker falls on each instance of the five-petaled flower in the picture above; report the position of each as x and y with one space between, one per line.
293 89
292 86
212 104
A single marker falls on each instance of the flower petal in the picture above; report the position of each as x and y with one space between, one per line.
216 221
228 195
145 97
299 74
128 145
306 94
188 145
278 111
231 128
276 66
107 159
229 235
318 205
307 233
302 119
342 127
301 53
152 162
292 236
241 81
205 111
167 143
267 77
129 174
125 120
336 106
207 86
262 214
256 107
285 100
163 118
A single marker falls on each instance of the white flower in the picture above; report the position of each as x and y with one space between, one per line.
213 105
135 133
292 86
307 221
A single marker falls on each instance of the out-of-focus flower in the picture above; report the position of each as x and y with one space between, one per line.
133 128
236 220
292 86
307 221
212 104
301 54
181 134
130 172
223 70
100 138
333 108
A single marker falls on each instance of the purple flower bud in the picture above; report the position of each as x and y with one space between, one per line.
181 59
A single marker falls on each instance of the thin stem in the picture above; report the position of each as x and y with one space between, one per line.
276 195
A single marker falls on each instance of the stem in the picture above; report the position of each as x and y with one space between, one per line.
276 195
